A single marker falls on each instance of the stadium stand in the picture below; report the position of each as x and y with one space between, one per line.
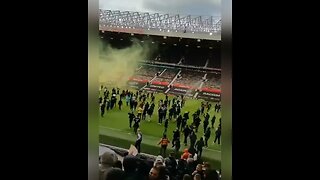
213 81
190 57
189 77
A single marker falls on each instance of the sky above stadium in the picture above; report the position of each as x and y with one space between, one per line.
182 7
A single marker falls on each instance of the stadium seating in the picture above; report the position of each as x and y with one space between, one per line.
148 71
213 81
168 75
188 77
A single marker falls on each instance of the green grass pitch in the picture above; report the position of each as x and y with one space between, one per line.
115 124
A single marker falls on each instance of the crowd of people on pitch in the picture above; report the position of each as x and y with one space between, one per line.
196 144
168 110
139 167
108 100
188 165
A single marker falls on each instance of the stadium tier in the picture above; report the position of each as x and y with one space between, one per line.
175 65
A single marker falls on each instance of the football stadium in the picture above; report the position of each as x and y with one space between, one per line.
160 92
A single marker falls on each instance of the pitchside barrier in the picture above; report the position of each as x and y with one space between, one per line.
182 91
157 86
122 151
209 94
136 84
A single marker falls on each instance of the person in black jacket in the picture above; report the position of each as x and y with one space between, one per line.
183 123
176 136
177 146
197 123
181 169
145 109
120 104
179 121
166 122
215 107
131 117
199 145
130 164
150 110
108 104
207 135
218 135
138 141
202 108
206 122
171 165
100 100
193 139
186 115
213 120
136 124
171 111
186 132
113 101
160 115
102 109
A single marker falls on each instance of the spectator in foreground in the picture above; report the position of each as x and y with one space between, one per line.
185 154
158 173
187 177
115 174
197 177
107 160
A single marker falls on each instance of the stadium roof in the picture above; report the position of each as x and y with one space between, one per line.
161 24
